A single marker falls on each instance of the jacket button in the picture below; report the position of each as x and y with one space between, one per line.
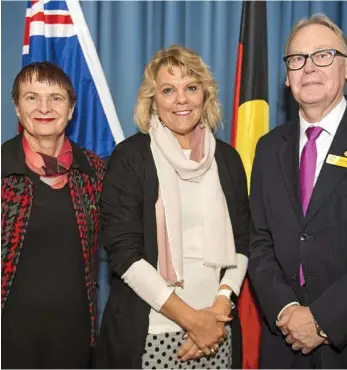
303 237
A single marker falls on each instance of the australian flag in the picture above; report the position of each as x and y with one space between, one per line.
56 31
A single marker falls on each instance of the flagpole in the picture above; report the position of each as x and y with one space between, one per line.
92 59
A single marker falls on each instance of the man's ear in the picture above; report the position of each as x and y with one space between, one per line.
287 80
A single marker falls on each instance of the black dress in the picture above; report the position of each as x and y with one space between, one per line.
46 321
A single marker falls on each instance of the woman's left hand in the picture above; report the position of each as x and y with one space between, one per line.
189 350
222 305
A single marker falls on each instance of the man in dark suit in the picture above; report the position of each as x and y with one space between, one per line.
298 262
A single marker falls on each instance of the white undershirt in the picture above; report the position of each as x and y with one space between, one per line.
201 283
329 124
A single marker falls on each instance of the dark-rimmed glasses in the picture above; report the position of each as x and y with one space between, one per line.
321 58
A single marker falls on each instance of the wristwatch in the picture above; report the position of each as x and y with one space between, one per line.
226 293
320 331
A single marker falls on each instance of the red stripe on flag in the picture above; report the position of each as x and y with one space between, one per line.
250 327
237 94
26 31
51 18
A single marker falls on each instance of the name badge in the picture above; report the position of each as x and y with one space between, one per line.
337 160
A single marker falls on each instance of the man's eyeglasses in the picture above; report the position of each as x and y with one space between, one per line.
321 58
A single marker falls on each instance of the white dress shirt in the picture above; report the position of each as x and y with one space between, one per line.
329 124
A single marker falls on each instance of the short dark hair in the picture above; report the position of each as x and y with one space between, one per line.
43 72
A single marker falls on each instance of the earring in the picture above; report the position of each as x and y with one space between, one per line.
201 124
162 123
156 113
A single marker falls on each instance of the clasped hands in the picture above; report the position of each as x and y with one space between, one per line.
298 326
208 331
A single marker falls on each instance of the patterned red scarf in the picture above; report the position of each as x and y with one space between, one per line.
52 170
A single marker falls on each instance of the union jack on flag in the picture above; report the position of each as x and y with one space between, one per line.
56 31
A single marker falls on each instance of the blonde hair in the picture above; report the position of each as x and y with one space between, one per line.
190 64
320 19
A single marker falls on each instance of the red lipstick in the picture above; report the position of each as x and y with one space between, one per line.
44 120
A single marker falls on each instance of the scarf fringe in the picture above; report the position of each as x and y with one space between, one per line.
218 265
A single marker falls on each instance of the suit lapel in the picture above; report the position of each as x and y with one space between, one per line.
288 155
330 175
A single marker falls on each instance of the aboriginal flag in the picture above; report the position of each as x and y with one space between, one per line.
250 122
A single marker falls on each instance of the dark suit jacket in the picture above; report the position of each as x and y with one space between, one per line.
129 234
281 238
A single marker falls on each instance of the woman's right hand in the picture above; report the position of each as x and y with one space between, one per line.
206 330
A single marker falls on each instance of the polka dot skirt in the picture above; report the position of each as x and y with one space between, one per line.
161 353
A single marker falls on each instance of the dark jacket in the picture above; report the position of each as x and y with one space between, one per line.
282 238
85 183
129 234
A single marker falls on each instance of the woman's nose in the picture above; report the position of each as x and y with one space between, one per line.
181 97
44 106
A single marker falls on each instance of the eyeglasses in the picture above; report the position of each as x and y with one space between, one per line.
321 58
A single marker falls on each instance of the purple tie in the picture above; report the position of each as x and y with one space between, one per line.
307 173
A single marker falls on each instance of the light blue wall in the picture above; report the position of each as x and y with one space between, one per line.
12 31
138 28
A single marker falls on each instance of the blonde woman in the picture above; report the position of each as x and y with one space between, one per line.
175 224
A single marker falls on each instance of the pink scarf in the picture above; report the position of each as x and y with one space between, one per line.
219 247
165 259
52 170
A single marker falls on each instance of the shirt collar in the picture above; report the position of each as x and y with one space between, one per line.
329 123
13 159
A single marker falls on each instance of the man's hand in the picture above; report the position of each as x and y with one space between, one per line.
285 317
299 326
